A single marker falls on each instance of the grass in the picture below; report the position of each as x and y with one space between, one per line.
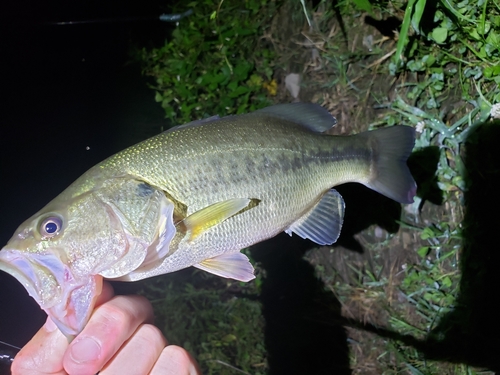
204 68
407 295
215 319
439 90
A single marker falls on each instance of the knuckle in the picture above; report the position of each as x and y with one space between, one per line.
178 354
152 335
113 317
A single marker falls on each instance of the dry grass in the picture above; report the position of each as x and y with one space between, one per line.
346 72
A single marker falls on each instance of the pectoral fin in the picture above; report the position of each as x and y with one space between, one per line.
212 215
322 224
232 266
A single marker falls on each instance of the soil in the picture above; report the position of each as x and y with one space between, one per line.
352 85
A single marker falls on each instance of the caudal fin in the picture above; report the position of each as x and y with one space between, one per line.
390 174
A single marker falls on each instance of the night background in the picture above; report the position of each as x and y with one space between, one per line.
69 99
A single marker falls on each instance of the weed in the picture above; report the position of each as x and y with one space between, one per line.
445 85
217 320
214 63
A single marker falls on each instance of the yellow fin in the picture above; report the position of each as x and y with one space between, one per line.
232 266
210 216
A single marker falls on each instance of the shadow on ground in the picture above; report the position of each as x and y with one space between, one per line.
471 333
295 308
304 328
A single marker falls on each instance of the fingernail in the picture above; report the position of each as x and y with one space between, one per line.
85 350
50 326
193 370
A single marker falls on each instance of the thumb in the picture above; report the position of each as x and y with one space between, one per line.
43 354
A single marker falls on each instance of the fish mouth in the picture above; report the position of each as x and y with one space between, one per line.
67 299
18 266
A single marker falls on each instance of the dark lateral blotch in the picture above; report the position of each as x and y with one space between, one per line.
144 190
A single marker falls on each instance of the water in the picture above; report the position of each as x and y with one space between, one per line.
68 100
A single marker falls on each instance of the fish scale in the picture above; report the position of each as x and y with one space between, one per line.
211 162
222 160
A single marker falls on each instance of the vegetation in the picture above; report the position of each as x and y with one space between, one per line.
413 297
206 67
218 320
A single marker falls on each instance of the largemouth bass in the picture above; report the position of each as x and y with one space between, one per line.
196 195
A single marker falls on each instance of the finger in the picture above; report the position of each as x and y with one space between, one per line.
109 327
175 360
43 354
138 354
107 293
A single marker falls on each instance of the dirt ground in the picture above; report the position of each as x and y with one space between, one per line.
340 63
383 299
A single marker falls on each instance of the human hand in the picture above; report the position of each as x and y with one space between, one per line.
118 339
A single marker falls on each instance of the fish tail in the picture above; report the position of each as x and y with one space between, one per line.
390 175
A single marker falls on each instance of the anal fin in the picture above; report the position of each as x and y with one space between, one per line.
232 266
322 224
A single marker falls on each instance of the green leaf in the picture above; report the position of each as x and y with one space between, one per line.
423 251
482 52
494 39
474 34
229 338
245 32
439 34
403 36
241 70
491 71
417 14
232 85
240 90
447 282
448 4
428 60
226 71
363 5
427 233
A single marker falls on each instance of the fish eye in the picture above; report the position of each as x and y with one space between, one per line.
50 226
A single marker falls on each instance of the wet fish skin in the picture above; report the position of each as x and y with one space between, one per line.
196 195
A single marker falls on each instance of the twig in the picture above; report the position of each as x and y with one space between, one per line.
230 366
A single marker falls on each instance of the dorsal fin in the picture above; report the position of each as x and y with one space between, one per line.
194 124
312 116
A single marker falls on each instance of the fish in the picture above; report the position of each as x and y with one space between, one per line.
196 195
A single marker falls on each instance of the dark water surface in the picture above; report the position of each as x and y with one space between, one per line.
68 100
